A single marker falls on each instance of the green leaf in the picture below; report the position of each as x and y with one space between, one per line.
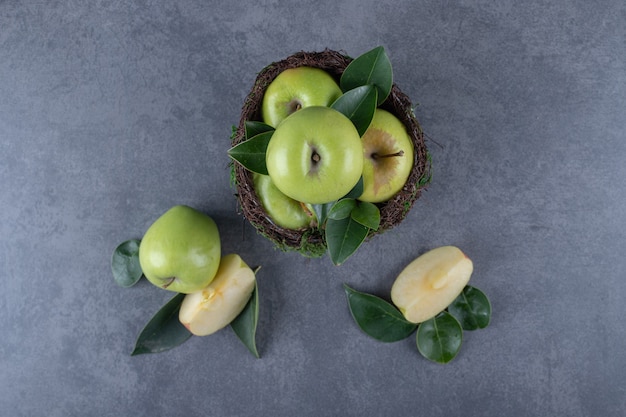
251 153
358 105
164 331
471 308
367 214
342 209
439 339
357 190
321 212
245 323
125 263
372 67
256 128
343 238
378 318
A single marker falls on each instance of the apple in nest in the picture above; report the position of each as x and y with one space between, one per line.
181 250
295 89
315 155
430 283
214 307
282 210
388 153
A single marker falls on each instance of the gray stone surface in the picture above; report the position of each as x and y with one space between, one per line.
111 112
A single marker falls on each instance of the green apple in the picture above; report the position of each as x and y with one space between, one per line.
181 250
315 155
206 311
388 153
284 211
297 88
430 283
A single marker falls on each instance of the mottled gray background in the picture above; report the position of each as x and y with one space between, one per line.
113 111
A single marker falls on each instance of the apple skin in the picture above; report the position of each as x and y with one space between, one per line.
315 155
385 176
430 283
297 88
283 211
181 250
214 307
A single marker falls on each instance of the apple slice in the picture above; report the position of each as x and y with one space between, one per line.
430 283
206 311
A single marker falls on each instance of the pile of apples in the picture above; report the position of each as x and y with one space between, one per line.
316 155
325 140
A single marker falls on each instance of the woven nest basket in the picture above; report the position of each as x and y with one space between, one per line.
310 242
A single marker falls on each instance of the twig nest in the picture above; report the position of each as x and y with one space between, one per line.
310 241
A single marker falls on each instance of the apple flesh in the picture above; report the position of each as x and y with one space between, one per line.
214 307
282 210
181 250
295 89
315 155
388 157
430 283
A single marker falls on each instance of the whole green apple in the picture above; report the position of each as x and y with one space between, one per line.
297 88
284 211
315 155
388 157
181 250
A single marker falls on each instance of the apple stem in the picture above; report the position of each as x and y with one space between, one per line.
389 155
316 157
169 282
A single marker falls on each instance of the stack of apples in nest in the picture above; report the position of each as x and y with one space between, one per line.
325 155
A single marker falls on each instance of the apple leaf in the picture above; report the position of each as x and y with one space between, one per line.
245 323
378 318
254 128
125 263
439 339
343 238
251 153
366 214
164 331
357 190
358 105
321 212
342 209
471 308
372 67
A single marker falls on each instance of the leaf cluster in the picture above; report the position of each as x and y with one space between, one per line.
439 338
164 330
366 83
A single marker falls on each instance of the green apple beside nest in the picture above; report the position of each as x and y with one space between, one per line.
301 235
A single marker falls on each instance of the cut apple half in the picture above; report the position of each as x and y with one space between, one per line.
430 283
206 311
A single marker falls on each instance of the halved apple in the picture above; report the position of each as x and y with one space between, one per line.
430 283
206 311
